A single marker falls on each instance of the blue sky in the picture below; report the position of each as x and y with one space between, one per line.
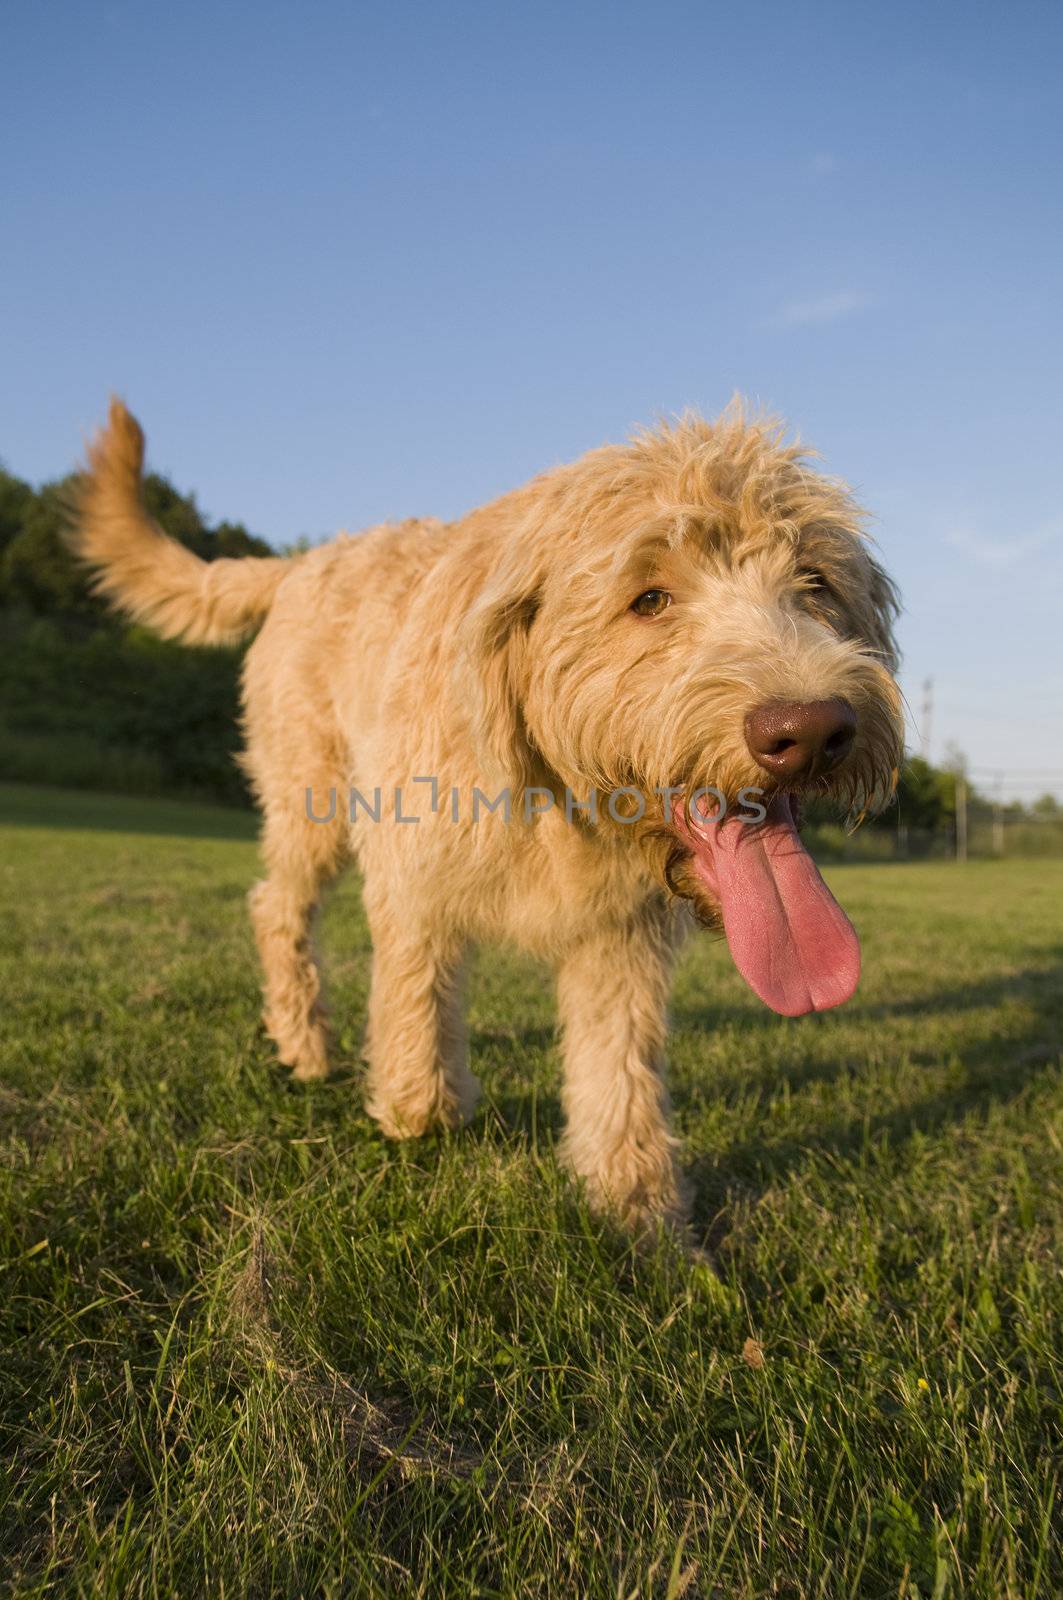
354 261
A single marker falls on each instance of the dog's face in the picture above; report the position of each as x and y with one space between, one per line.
645 668
681 610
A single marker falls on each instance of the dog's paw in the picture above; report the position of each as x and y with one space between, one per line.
310 1071
308 1059
445 1108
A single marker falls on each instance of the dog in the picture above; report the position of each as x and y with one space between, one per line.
607 692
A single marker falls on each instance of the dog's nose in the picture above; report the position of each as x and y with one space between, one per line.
791 740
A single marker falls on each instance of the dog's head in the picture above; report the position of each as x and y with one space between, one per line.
700 610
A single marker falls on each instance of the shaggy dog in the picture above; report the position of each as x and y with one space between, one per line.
578 719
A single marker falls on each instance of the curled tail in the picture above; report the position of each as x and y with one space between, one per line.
148 575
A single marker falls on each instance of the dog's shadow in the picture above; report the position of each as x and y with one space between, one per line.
993 1072
517 1103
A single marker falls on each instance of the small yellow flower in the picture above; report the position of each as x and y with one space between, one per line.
922 1384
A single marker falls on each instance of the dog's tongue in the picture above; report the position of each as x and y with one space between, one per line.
789 937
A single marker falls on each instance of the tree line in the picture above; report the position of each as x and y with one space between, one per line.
88 699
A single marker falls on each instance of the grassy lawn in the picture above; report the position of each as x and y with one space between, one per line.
249 1347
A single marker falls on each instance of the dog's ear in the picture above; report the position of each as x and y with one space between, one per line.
492 674
885 607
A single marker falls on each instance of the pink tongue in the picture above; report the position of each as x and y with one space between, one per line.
789 937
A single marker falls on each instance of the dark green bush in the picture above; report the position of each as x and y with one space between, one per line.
117 709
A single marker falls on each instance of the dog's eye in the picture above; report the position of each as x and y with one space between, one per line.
651 602
813 581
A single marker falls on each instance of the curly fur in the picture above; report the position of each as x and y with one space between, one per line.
502 649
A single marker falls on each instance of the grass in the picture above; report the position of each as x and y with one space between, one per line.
252 1348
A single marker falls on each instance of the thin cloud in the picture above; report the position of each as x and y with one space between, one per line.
823 164
824 308
1001 554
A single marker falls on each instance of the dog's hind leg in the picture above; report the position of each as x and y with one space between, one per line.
612 997
301 857
415 1044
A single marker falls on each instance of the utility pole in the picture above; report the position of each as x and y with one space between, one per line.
961 817
998 816
927 720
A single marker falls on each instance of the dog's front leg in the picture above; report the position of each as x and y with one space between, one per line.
415 1043
612 996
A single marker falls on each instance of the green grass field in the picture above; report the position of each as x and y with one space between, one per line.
252 1348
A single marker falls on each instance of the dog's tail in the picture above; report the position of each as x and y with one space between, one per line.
148 575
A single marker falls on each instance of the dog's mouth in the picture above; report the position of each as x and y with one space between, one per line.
789 937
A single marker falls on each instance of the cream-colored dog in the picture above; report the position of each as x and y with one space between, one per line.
526 725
